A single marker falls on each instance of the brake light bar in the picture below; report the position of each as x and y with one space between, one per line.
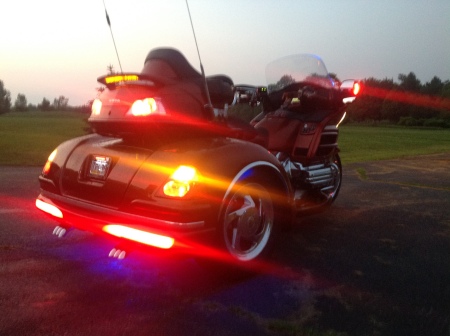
139 236
117 79
121 78
48 208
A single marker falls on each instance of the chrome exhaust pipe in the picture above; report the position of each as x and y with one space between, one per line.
117 253
60 231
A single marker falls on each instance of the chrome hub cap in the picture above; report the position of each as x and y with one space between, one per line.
248 221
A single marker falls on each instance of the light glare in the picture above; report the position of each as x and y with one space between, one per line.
184 174
342 119
48 164
180 181
145 107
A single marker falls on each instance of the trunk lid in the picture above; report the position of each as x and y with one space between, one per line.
101 171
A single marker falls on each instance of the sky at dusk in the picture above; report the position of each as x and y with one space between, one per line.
50 48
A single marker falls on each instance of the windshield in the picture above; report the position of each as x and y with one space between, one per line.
301 68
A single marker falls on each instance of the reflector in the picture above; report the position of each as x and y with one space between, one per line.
139 236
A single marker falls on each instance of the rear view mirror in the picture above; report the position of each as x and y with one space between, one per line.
350 88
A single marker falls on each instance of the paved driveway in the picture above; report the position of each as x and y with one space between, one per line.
376 263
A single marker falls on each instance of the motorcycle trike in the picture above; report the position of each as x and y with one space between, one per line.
166 168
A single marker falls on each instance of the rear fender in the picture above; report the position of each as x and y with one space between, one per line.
243 160
275 181
51 180
221 162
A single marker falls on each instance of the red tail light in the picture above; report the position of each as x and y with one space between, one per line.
139 236
49 208
146 107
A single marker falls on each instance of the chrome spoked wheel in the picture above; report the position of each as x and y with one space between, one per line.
248 221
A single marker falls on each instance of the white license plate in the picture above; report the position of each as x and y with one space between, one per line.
99 166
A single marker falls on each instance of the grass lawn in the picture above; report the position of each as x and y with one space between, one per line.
365 143
28 138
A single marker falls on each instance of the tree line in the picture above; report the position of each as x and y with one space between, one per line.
60 103
408 102
21 104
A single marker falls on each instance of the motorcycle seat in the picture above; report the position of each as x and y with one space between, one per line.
241 129
170 63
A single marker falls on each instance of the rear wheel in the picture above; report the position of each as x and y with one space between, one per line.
248 222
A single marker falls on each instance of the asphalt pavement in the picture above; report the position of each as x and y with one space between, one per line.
376 263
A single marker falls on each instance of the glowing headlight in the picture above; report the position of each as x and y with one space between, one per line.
145 107
181 181
96 107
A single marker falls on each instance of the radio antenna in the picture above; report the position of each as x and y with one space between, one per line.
199 58
109 24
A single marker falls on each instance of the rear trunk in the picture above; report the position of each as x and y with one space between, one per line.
100 172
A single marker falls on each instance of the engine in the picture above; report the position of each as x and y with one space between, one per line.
317 176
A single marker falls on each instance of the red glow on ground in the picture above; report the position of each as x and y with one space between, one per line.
8 202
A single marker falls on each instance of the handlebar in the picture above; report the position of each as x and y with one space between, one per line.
310 94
